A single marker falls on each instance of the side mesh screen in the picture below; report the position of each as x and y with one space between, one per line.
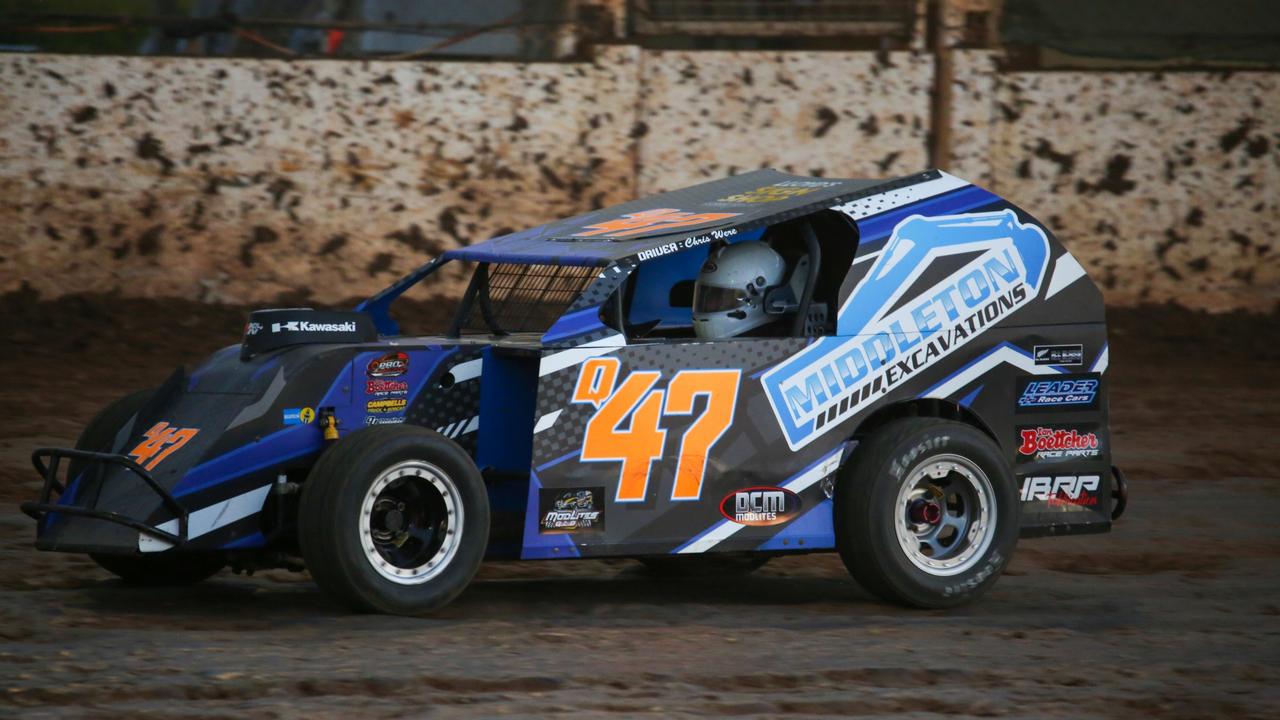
526 298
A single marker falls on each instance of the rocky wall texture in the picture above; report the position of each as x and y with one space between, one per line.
710 114
250 180
1165 185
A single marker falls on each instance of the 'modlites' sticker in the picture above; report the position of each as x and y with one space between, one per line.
760 506
571 510
393 364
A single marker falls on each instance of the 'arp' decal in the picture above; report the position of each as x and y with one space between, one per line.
643 442
655 220
161 442
876 349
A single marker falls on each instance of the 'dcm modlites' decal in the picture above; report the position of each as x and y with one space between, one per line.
760 506
1065 392
1074 442
393 364
570 510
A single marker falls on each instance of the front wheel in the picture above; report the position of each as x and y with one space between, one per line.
394 519
927 513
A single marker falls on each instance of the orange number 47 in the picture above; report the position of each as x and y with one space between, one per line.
642 442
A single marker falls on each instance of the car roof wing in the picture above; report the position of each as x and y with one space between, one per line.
719 208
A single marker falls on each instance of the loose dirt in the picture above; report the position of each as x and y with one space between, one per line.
1176 614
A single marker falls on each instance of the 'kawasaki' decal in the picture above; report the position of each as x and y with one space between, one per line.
883 340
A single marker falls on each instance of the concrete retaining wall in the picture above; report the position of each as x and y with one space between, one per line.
1165 185
248 180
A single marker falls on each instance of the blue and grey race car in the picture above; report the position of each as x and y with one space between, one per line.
909 372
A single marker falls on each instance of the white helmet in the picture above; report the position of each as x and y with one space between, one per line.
729 295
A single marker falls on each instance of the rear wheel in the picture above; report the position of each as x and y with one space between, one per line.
394 519
161 569
927 513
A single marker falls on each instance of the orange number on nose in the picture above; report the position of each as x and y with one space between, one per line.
636 447
721 390
161 442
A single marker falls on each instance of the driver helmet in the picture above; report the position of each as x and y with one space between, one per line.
728 296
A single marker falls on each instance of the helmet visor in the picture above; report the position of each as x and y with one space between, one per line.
708 299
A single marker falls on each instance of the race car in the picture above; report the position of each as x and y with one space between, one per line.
908 372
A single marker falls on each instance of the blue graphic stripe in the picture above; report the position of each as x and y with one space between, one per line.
575 323
557 461
973 362
878 228
278 447
255 539
825 457
1093 367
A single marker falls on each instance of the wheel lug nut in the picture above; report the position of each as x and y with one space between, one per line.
924 511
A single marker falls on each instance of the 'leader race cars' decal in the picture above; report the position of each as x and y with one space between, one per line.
886 338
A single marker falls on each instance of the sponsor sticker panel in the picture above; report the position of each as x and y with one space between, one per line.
1040 443
1066 355
1061 392
1063 492
386 405
299 416
392 364
761 506
571 510
386 388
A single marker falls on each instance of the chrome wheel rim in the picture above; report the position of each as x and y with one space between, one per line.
411 522
945 515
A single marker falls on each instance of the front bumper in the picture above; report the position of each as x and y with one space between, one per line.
47 462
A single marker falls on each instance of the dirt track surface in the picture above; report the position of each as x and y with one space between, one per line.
1174 615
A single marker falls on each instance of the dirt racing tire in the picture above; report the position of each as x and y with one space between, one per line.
716 565
150 570
394 519
926 513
